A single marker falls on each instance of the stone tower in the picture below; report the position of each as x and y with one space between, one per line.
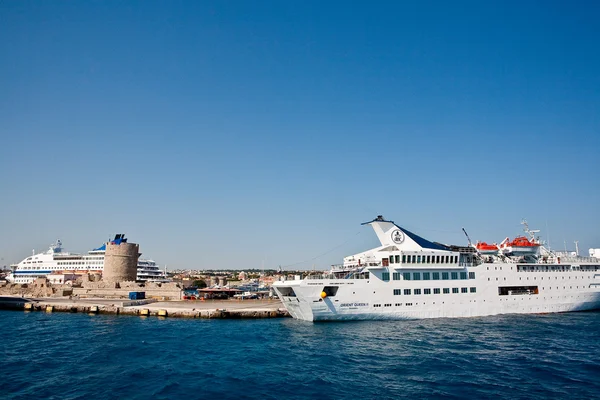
120 260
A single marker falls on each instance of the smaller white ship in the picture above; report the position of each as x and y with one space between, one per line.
148 271
58 261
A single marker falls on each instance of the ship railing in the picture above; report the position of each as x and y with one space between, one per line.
354 267
578 259
339 275
468 264
554 268
341 267
324 275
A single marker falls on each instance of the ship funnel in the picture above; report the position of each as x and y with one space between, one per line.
387 232
390 234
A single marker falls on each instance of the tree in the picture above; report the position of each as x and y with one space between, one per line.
200 283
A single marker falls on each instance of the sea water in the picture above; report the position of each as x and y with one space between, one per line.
79 356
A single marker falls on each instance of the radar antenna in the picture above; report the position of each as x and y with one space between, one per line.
530 232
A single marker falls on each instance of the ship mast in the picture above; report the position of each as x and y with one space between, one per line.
530 232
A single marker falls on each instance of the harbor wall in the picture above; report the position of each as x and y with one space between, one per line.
116 290
137 308
163 294
38 288
41 287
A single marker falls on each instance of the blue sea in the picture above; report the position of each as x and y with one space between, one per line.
78 356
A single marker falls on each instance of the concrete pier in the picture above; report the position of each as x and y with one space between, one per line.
218 309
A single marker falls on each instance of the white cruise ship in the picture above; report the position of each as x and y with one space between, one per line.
409 277
148 271
57 261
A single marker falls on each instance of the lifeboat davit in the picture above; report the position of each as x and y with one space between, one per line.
520 246
487 249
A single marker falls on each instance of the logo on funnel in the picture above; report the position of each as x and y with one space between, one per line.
397 236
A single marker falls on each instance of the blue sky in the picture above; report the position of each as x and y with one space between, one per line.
241 134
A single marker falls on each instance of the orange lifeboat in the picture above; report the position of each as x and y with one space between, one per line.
484 248
520 246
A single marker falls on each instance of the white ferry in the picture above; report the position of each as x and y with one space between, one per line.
57 261
409 277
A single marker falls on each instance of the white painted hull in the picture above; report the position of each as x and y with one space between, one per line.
374 299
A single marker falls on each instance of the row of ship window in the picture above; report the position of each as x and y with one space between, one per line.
79 262
41 267
408 292
70 263
419 259
426 276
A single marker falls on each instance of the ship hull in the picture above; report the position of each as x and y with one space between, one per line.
374 299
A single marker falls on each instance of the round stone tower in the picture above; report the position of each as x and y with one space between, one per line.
120 261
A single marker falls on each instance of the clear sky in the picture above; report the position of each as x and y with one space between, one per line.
237 134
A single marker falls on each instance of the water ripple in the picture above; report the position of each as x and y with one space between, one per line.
76 356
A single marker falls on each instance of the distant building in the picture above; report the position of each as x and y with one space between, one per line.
267 280
61 279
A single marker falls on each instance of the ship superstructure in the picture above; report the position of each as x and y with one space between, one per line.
410 277
57 261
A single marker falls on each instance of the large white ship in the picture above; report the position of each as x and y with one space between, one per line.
409 277
57 261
